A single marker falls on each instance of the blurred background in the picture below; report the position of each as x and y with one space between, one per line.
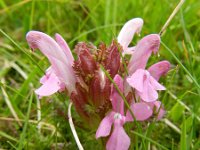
94 21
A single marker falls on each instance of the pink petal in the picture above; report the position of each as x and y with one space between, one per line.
118 140
143 50
149 94
136 80
141 112
105 125
145 85
155 84
61 42
116 99
159 69
49 87
128 30
48 72
66 75
47 45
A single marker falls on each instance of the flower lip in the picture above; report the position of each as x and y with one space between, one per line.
145 85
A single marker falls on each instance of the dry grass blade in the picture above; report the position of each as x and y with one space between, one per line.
7 100
44 125
171 125
171 16
24 75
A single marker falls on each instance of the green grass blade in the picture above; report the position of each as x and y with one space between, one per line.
183 67
21 49
3 134
150 140
23 135
183 144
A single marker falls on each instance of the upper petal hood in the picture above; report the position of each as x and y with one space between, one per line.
59 57
61 42
128 30
47 45
143 50
159 69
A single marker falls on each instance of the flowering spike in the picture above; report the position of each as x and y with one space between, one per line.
94 96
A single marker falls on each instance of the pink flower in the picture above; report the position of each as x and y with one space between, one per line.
51 84
139 54
145 82
60 75
145 85
140 79
118 140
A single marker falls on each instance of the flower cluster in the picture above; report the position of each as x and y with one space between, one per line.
97 99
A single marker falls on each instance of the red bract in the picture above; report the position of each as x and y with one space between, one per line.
92 79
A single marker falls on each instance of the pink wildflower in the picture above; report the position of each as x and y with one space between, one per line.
118 140
145 85
58 53
90 89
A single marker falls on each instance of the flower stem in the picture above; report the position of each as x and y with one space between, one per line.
80 147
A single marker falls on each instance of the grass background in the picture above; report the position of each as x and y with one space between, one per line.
95 21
